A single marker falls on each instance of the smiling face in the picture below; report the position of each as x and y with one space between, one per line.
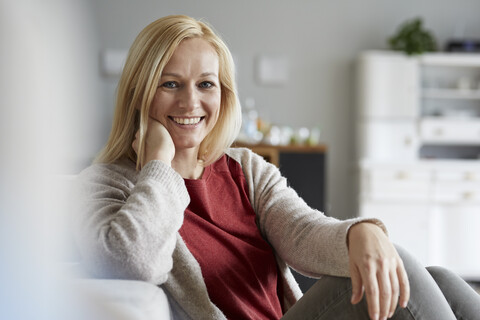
187 100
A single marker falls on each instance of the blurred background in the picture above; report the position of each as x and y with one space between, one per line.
300 64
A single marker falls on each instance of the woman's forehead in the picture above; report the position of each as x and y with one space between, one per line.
193 56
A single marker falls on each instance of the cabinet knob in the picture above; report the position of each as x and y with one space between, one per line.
408 141
438 131
468 195
401 175
469 176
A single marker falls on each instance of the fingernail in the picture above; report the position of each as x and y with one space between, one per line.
403 304
390 315
383 318
375 316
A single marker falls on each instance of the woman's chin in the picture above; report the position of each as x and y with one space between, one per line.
184 145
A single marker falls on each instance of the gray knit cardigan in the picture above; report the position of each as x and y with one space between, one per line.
128 226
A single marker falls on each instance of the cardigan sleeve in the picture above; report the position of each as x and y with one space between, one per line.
127 221
306 239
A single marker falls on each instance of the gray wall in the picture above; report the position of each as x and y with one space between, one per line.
321 40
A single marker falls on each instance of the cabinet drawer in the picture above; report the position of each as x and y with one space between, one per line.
385 184
453 186
450 131
444 192
457 176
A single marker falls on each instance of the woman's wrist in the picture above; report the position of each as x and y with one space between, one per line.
361 228
165 160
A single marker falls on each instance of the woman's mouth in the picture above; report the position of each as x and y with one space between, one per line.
187 121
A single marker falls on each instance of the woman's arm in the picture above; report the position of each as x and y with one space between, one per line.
128 221
306 239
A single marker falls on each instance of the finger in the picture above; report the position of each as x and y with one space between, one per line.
135 145
153 120
135 141
371 292
385 289
395 292
404 284
357 286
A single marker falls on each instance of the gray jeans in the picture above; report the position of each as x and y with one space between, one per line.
435 294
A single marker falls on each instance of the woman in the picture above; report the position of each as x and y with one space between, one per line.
170 203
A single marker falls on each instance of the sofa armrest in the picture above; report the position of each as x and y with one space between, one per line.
122 299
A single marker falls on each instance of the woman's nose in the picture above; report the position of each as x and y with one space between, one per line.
190 98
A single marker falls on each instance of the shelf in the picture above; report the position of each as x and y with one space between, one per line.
451 59
447 120
437 93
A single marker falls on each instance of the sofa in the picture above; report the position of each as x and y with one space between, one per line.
114 299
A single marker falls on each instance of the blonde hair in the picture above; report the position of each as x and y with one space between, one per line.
148 55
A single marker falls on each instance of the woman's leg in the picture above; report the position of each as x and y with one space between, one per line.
463 300
426 299
330 297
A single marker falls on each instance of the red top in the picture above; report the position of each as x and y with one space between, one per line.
238 265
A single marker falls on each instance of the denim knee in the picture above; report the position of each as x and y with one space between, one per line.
439 272
410 263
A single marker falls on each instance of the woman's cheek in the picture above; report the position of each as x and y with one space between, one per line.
155 113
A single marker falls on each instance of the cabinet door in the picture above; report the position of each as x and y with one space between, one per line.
457 239
407 225
388 140
305 172
387 85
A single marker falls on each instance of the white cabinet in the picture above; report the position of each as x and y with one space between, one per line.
418 153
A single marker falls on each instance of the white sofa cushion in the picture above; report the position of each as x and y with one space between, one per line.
121 299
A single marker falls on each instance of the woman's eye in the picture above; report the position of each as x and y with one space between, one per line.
170 84
206 84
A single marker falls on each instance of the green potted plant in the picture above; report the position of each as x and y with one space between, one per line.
412 39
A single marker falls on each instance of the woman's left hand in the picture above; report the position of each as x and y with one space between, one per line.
376 269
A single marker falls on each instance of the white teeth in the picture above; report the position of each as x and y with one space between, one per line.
187 120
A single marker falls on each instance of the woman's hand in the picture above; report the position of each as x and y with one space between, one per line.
158 143
377 269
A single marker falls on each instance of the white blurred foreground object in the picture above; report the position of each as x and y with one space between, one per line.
46 92
122 299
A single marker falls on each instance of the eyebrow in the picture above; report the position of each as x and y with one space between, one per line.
176 75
